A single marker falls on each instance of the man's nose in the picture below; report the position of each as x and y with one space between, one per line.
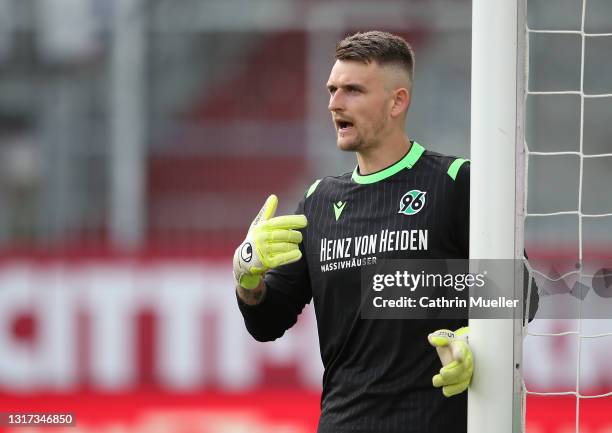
335 102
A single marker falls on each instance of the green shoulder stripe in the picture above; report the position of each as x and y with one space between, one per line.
312 188
455 166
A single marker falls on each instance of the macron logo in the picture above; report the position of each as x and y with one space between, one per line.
338 208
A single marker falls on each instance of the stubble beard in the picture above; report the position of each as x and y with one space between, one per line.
359 143
352 146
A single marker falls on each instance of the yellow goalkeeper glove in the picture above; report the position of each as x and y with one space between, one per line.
270 242
457 360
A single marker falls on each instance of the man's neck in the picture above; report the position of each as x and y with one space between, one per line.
373 160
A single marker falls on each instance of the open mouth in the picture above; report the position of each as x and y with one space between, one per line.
343 125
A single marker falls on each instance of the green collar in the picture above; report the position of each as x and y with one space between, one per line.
416 150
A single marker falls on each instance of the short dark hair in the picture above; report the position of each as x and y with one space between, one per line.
381 47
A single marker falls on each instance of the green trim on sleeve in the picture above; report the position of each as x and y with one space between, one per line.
416 150
453 170
312 188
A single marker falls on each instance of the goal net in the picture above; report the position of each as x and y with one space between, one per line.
542 183
568 213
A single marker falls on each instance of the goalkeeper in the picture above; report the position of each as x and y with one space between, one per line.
380 375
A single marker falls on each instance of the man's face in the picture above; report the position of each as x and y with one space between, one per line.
359 103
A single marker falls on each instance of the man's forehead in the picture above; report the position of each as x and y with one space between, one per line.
354 71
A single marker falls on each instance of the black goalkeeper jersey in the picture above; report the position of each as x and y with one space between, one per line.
377 372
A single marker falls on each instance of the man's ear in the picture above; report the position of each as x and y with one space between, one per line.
401 102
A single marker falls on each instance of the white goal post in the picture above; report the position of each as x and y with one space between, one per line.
496 203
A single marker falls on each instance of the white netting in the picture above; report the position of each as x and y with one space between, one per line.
581 332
